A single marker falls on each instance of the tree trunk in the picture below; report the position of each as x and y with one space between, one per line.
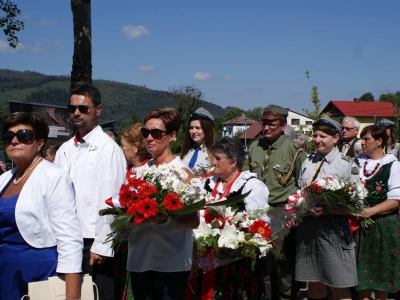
82 59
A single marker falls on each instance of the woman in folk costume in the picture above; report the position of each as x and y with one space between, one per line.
235 280
199 137
325 254
378 246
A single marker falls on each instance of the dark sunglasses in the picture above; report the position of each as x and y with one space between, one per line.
347 128
82 108
155 133
24 136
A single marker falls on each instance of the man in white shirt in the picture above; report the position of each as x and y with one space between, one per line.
97 167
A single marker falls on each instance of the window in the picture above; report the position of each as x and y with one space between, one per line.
295 122
309 122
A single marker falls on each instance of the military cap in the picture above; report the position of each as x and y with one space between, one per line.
275 110
387 123
202 114
109 126
329 122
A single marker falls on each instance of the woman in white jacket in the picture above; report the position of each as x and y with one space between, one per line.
40 235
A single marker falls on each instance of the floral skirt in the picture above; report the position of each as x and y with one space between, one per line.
378 254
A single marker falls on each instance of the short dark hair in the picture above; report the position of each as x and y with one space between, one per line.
230 149
34 119
377 132
88 90
169 116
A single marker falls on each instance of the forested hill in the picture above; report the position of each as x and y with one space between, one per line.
119 100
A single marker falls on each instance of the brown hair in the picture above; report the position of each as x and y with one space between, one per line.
209 138
392 137
34 119
132 135
377 132
169 116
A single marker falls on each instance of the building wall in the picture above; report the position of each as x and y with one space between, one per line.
299 122
231 130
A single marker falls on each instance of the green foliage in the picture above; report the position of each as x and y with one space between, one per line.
218 126
187 100
125 102
9 22
367 97
255 113
314 99
233 112
394 98
176 146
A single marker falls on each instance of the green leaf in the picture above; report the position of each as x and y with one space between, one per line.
120 222
188 209
108 211
230 201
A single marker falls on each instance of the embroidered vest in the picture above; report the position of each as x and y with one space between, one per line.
377 185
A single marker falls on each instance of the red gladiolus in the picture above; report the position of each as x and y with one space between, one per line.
172 202
261 227
147 208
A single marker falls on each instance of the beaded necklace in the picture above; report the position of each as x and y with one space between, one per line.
16 181
369 173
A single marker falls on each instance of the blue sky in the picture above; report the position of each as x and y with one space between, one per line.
239 53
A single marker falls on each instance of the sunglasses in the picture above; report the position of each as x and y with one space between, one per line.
84 109
24 136
155 133
347 128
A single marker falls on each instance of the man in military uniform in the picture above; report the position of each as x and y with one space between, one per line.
277 161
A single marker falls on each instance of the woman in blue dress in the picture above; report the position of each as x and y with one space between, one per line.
40 235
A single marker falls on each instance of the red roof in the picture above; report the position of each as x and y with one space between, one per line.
359 109
242 120
251 132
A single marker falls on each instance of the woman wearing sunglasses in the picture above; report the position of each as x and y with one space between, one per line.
199 137
159 257
40 235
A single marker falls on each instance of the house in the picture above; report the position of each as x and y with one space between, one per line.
238 124
366 112
299 122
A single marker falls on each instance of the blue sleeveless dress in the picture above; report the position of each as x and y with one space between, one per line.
19 262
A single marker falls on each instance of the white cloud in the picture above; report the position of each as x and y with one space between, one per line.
147 68
133 32
45 22
228 77
40 47
203 76
5 47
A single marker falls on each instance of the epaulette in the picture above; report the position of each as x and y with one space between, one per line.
296 145
347 158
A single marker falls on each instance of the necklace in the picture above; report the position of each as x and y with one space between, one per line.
228 188
27 172
369 173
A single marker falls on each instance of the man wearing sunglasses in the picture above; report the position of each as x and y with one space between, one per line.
97 167
277 161
350 128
